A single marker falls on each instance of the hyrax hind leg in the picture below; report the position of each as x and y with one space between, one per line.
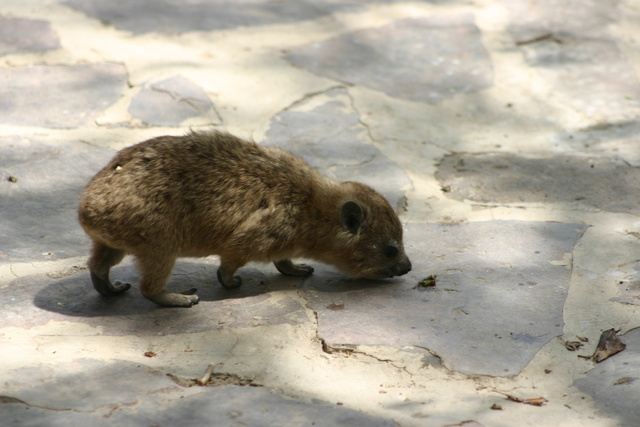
102 259
155 271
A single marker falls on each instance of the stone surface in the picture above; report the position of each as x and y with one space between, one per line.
19 35
328 134
38 212
421 59
397 93
483 316
39 300
75 394
588 182
171 16
580 58
612 140
57 96
171 101
614 384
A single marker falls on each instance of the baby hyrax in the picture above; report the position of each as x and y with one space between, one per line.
211 193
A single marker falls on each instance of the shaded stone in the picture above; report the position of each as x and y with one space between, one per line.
423 59
170 102
40 300
19 35
614 384
584 182
174 16
38 212
498 299
330 137
88 391
579 57
59 96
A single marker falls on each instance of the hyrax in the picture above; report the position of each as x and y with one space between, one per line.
212 193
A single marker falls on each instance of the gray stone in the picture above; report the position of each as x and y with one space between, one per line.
330 137
483 316
175 16
59 96
580 182
20 35
614 384
629 288
423 59
39 300
38 212
170 102
579 56
91 392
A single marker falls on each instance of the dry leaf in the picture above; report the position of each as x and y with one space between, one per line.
608 345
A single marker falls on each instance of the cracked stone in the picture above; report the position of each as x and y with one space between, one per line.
86 391
509 268
326 132
582 61
587 182
171 101
424 59
38 213
40 95
40 300
20 35
172 16
614 384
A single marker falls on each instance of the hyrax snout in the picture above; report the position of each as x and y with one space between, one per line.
210 193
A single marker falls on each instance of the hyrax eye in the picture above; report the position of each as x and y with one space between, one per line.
390 251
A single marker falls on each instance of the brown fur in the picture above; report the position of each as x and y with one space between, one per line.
212 193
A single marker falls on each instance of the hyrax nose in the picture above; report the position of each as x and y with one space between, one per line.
403 267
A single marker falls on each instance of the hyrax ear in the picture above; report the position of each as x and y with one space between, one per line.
351 216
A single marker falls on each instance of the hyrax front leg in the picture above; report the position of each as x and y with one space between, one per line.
288 268
155 272
102 259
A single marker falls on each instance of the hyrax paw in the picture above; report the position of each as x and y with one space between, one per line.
171 299
288 268
120 287
229 283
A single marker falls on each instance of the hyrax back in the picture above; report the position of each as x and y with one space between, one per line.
212 193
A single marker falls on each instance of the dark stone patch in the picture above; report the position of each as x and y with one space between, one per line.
171 101
175 16
38 212
588 182
614 384
59 96
331 138
570 44
88 391
19 35
38 300
424 59
498 298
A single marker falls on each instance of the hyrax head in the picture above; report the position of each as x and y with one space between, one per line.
371 236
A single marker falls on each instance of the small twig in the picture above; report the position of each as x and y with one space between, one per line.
548 36
535 401
207 374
